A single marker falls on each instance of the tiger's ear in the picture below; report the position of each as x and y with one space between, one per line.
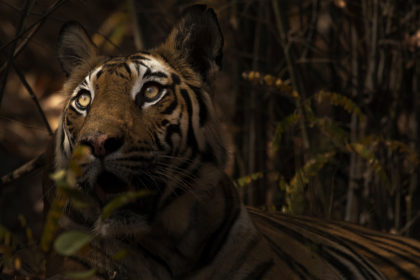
198 39
74 46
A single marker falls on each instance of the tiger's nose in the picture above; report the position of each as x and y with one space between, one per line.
102 145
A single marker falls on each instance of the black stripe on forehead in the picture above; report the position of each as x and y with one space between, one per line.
85 82
99 73
125 65
118 68
142 64
139 57
157 74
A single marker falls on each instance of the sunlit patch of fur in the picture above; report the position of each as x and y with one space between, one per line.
121 223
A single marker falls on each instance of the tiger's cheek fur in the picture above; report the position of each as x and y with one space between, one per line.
72 124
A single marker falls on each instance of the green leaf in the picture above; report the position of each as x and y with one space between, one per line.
53 216
59 175
120 255
65 180
122 200
78 198
81 274
242 181
70 242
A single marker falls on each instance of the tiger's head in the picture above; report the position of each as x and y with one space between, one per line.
147 118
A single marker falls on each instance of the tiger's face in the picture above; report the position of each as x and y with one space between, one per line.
147 119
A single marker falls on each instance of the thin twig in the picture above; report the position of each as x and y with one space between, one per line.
34 98
311 29
33 26
23 170
12 49
292 71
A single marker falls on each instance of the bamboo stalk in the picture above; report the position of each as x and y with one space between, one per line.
292 72
351 211
31 30
253 127
34 98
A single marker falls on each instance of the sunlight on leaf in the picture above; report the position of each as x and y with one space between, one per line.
53 216
121 200
119 255
70 242
295 188
81 274
246 180
65 180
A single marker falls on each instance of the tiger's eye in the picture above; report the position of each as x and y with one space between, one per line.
83 100
151 91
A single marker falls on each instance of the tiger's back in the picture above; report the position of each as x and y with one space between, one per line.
353 252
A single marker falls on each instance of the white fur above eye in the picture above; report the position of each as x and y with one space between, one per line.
88 85
153 66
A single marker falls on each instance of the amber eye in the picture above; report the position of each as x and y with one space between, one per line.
151 91
83 99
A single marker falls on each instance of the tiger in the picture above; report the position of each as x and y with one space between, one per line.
148 121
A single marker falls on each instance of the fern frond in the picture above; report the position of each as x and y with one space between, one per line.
333 131
403 149
394 145
281 127
295 188
248 179
365 152
311 168
271 82
339 100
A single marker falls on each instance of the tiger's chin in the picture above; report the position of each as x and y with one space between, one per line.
130 219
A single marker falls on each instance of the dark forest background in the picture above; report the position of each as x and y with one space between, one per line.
319 99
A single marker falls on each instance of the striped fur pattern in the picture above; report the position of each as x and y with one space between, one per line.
149 122
308 246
